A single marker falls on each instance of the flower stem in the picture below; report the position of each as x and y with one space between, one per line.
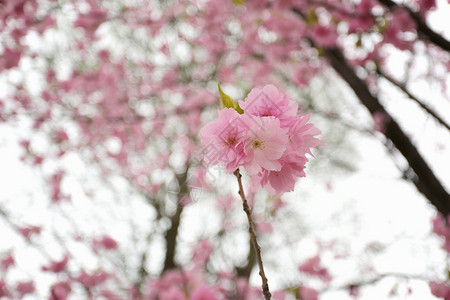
251 229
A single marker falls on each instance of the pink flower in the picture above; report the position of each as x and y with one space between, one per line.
399 23
268 139
91 20
301 135
109 295
324 36
172 293
264 227
246 291
170 279
279 295
440 289
57 266
287 26
3 289
278 182
9 59
312 267
90 281
224 139
425 6
55 185
28 231
202 252
307 293
361 21
60 290
442 229
304 72
266 143
7 262
353 291
25 287
105 242
203 293
269 102
60 136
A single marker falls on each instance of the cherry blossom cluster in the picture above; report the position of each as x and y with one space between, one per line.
441 227
268 139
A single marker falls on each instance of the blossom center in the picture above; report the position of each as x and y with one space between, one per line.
230 140
257 144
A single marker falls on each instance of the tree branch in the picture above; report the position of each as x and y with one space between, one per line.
172 233
246 270
422 28
403 88
425 180
420 173
362 283
265 285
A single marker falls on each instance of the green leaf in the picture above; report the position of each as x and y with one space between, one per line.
227 101
238 2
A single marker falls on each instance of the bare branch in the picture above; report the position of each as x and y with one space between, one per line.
265 284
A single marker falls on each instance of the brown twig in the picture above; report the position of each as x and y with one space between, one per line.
251 229
403 88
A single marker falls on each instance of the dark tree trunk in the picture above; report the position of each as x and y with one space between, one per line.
423 177
172 233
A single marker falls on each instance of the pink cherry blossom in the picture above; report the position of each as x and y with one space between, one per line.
91 20
25 287
264 227
441 228
172 293
324 35
304 73
287 25
204 293
313 267
440 289
60 290
302 135
55 185
269 140
266 143
270 102
278 182
399 23
307 293
224 139
10 59
105 242
425 6
89 281
202 252
380 120
4 292
109 295
279 295
57 266
7 262
28 231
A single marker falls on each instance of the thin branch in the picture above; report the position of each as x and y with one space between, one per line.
422 28
403 88
172 234
424 178
422 175
246 270
265 285
374 280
